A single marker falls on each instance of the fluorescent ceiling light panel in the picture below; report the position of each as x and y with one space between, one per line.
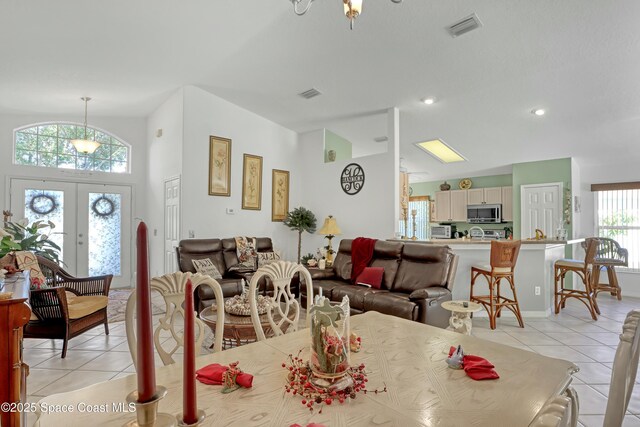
441 151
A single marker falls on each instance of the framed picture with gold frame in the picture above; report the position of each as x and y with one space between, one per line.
219 166
279 195
251 182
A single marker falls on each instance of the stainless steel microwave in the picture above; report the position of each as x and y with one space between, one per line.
484 214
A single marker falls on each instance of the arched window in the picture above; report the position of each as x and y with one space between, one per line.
48 145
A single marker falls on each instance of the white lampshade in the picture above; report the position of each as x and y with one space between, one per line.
356 6
85 146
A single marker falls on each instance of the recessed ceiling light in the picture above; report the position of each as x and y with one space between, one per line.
441 151
429 100
538 111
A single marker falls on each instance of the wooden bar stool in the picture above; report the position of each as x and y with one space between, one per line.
609 255
584 270
503 262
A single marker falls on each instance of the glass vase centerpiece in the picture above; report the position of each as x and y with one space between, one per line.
330 331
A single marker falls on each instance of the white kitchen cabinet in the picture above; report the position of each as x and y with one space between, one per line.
482 196
451 206
507 203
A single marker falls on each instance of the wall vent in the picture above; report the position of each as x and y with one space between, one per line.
311 93
465 25
381 139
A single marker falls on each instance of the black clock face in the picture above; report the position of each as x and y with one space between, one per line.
352 179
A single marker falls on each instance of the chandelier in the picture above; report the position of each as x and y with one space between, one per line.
85 146
352 8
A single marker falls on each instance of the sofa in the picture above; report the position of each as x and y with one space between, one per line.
224 256
417 279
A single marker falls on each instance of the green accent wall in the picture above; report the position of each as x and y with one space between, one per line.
335 142
430 188
542 172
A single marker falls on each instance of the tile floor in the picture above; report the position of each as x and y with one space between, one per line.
572 335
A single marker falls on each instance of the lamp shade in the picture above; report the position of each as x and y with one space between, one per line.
330 227
85 146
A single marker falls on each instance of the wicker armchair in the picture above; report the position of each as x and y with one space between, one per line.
69 305
609 255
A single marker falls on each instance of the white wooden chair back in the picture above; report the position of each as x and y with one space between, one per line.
557 412
625 368
284 310
171 287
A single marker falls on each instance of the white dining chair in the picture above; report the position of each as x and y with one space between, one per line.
625 368
172 286
283 312
557 412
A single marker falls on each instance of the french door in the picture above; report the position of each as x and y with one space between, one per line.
92 223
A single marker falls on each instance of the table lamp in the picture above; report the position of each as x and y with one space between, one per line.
329 229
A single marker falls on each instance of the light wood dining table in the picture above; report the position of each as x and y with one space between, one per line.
406 357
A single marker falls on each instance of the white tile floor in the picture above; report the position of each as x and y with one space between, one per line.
572 335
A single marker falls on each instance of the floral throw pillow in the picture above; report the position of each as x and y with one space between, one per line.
247 255
205 266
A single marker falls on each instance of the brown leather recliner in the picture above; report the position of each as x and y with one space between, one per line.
417 279
222 252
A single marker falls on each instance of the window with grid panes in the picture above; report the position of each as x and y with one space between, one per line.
618 218
49 145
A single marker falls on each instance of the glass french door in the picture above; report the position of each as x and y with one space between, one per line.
92 223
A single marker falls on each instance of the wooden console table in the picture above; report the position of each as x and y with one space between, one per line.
14 314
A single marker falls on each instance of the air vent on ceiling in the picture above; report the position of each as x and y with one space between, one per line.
465 25
381 139
311 93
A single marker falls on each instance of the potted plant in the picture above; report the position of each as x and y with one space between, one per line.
20 236
300 220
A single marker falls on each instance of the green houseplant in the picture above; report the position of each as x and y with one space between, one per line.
20 236
301 220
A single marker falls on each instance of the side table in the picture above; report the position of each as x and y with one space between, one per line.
460 320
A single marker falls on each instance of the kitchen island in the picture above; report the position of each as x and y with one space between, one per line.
533 273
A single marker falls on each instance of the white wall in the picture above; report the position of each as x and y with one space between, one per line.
597 174
370 213
164 157
205 115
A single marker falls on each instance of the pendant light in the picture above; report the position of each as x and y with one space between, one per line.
85 146
352 8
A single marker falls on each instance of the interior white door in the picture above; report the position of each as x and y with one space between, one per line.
104 232
541 209
171 224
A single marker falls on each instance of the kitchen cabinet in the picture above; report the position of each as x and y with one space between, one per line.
481 196
451 206
507 203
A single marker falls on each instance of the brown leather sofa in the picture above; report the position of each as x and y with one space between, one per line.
224 256
418 278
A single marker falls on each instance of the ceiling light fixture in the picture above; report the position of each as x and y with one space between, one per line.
441 151
352 8
538 111
429 101
85 146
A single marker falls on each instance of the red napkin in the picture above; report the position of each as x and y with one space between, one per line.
212 374
476 367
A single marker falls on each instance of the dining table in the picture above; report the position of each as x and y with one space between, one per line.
405 357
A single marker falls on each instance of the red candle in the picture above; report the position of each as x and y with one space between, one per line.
189 402
145 366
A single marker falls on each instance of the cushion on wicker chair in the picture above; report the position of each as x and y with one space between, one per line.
570 263
487 268
83 306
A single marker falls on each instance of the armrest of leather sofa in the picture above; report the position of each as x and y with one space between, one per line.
433 292
318 274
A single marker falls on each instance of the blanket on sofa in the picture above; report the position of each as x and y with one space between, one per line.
361 255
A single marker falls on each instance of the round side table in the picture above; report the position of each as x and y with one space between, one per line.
460 320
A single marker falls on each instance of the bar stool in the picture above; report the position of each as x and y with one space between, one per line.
503 261
609 254
584 270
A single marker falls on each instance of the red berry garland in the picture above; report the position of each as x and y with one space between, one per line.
298 383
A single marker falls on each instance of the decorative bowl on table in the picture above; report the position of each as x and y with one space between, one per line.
239 305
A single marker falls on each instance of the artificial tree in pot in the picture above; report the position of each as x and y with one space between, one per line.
300 220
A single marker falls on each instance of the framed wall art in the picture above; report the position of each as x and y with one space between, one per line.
251 182
279 195
219 166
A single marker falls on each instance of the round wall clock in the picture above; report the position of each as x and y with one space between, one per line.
465 184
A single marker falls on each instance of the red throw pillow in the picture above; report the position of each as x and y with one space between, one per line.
371 276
